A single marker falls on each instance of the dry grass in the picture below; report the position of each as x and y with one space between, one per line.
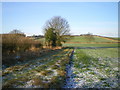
61 72
37 81
46 72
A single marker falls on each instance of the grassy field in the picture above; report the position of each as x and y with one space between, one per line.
88 68
90 45
114 38
42 40
83 39
96 68
47 72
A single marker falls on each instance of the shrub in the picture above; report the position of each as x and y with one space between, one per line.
16 47
16 42
9 42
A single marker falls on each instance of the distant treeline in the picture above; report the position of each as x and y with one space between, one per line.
36 36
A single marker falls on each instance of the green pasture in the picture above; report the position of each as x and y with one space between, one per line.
90 45
102 52
86 39
42 40
97 68
78 41
114 38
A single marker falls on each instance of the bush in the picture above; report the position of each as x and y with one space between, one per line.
9 42
16 42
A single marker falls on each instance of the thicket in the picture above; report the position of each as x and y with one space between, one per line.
17 43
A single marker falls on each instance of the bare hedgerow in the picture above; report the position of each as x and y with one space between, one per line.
16 43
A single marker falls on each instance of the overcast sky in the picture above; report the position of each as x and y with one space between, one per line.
99 18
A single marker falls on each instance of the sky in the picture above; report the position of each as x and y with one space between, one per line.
99 18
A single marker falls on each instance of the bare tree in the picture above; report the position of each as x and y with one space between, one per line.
15 31
60 25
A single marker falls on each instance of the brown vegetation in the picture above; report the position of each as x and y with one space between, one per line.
17 47
16 42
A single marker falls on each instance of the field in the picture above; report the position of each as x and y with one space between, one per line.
98 41
83 39
80 64
42 40
94 63
94 68
90 45
46 72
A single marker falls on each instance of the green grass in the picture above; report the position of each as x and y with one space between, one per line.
83 39
99 65
90 45
114 38
106 52
42 40
78 41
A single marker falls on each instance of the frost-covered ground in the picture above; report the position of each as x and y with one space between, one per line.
41 73
94 68
89 68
